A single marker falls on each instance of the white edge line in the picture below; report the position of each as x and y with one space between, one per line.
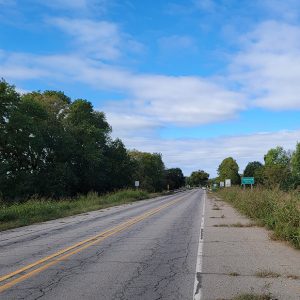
197 283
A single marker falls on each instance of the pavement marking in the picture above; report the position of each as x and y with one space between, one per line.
198 276
65 253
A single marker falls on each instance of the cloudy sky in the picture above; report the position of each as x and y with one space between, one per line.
197 80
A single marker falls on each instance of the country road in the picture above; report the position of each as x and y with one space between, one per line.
146 250
188 245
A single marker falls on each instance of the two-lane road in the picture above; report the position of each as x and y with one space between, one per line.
146 250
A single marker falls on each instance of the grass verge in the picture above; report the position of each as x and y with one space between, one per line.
38 210
278 210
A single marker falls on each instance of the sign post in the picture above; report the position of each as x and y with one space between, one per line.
248 180
222 184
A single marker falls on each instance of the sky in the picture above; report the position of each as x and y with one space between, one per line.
195 80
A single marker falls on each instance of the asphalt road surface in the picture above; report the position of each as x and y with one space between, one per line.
146 250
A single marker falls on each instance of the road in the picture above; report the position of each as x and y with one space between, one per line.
146 250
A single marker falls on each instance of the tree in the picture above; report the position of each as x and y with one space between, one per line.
251 168
198 178
90 132
277 156
295 162
277 171
255 169
25 151
174 178
149 170
229 169
120 166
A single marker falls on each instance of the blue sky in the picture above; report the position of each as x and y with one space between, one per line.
197 80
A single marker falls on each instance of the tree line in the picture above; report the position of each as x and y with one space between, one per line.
281 168
51 146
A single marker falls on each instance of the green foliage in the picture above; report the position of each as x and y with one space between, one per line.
198 178
53 147
174 178
229 169
252 168
277 156
277 171
34 210
149 170
278 210
295 165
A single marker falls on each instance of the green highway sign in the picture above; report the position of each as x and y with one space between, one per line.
247 180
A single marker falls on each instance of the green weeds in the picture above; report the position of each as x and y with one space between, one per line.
278 210
38 210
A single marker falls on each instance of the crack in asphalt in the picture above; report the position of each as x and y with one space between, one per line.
164 259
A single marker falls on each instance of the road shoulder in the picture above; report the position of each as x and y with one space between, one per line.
240 258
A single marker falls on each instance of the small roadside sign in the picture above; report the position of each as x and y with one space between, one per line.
222 184
247 180
136 183
227 182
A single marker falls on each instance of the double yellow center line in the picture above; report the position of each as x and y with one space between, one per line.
38 266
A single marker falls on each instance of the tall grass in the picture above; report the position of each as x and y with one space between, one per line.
38 210
278 210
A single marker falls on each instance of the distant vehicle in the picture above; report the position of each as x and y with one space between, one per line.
203 188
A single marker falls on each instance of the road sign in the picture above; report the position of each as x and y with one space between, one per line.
227 182
136 183
247 180
222 184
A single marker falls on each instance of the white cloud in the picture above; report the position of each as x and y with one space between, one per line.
162 99
98 39
268 66
207 154
181 100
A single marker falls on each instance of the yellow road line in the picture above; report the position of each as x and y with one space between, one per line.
58 256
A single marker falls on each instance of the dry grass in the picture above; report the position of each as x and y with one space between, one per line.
275 209
253 297
238 225
267 274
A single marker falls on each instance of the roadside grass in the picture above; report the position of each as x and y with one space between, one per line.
238 225
267 274
38 210
253 297
275 209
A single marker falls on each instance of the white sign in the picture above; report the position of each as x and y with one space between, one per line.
136 183
228 182
222 184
